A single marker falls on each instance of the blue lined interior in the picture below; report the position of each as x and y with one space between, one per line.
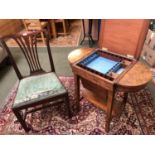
101 64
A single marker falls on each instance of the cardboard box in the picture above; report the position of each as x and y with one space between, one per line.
152 42
149 36
153 74
148 54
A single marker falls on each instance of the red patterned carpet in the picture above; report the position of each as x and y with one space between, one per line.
90 120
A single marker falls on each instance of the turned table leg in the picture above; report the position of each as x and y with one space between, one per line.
109 110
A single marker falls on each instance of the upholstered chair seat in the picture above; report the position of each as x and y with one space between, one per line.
37 87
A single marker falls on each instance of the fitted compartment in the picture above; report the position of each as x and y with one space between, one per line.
105 64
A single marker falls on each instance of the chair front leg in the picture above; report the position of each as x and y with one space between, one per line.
21 120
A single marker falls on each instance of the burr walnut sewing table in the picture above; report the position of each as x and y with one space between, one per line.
100 90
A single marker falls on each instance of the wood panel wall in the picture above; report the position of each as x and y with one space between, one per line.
10 26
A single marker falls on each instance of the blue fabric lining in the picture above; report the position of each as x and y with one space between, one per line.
101 64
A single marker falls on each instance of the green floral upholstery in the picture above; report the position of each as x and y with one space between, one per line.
38 86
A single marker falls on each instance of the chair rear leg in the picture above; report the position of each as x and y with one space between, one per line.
68 106
21 120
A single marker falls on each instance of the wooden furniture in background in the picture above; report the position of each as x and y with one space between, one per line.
53 28
133 80
40 89
95 25
123 36
10 26
36 24
65 26
88 34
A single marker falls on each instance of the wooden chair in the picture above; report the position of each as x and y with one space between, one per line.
65 26
40 89
36 24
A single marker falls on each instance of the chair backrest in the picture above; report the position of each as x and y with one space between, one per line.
27 43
